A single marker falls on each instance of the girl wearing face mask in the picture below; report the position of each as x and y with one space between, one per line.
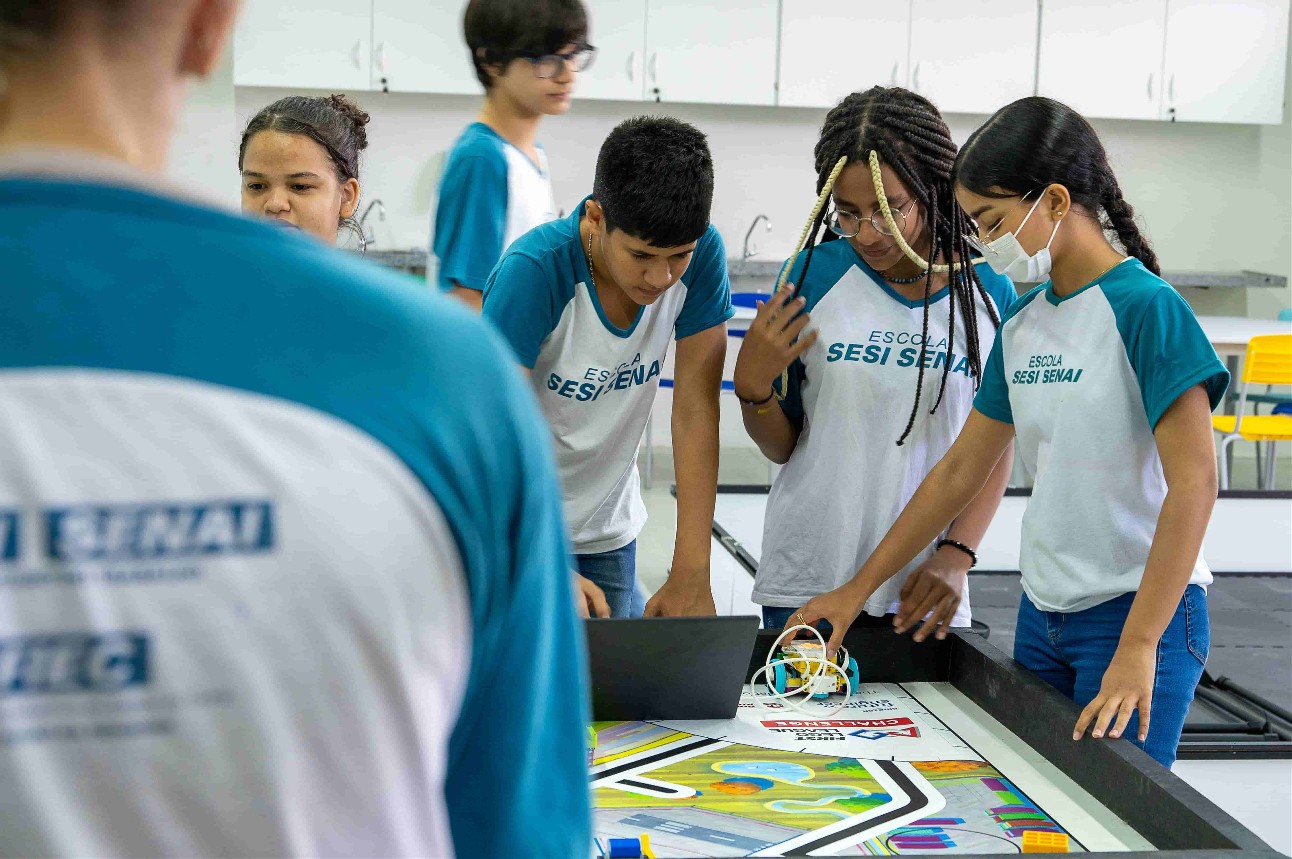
299 159
874 394
1108 381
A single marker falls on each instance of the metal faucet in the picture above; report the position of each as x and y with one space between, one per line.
370 239
748 250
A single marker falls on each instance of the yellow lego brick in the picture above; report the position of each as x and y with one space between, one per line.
1036 841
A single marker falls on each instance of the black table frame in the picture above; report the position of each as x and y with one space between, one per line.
1180 822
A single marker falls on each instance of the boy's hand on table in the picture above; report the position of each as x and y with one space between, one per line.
682 597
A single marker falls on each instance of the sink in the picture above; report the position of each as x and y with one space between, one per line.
410 259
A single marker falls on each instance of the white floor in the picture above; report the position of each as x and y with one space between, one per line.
655 543
1258 794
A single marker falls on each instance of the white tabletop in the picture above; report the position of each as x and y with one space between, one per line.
1229 334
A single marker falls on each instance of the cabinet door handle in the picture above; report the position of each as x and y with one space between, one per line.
915 78
357 54
1170 88
630 67
654 67
1150 86
893 77
381 58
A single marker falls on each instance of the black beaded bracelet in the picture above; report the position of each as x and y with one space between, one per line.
956 544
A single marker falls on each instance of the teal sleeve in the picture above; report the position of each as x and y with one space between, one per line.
993 394
1169 352
519 301
998 287
708 289
518 756
470 220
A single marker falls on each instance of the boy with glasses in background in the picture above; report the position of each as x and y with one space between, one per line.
496 186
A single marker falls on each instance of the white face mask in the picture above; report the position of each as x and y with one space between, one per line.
1006 256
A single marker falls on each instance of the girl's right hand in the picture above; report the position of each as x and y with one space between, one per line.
771 345
840 607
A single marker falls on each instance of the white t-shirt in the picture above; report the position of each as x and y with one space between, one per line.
262 559
1084 379
596 382
490 194
847 480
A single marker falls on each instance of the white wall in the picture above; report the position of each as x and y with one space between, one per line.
203 154
1271 247
1198 188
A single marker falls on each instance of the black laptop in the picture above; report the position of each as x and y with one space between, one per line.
669 667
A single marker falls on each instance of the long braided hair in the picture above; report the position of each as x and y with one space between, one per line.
897 127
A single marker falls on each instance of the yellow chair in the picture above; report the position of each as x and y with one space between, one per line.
1268 362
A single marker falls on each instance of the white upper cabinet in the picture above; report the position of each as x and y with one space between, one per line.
1226 62
1126 35
1187 60
973 56
711 51
618 30
418 47
830 50
327 46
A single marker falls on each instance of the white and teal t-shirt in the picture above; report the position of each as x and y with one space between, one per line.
490 194
596 382
273 581
1084 379
847 480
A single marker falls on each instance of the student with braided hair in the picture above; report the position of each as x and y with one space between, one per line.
1108 381
871 398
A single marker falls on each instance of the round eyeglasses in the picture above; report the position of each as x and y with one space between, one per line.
551 65
848 224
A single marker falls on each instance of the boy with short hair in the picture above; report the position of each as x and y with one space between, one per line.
589 304
495 186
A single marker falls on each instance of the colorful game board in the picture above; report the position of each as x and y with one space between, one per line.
882 777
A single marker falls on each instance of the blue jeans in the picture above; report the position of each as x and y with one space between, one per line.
1071 651
615 573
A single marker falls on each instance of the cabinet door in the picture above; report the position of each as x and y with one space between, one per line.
973 56
1226 63
618 29
711 52
1128 33
828 51
419 47
277 45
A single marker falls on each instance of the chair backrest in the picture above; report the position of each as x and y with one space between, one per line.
1269 360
